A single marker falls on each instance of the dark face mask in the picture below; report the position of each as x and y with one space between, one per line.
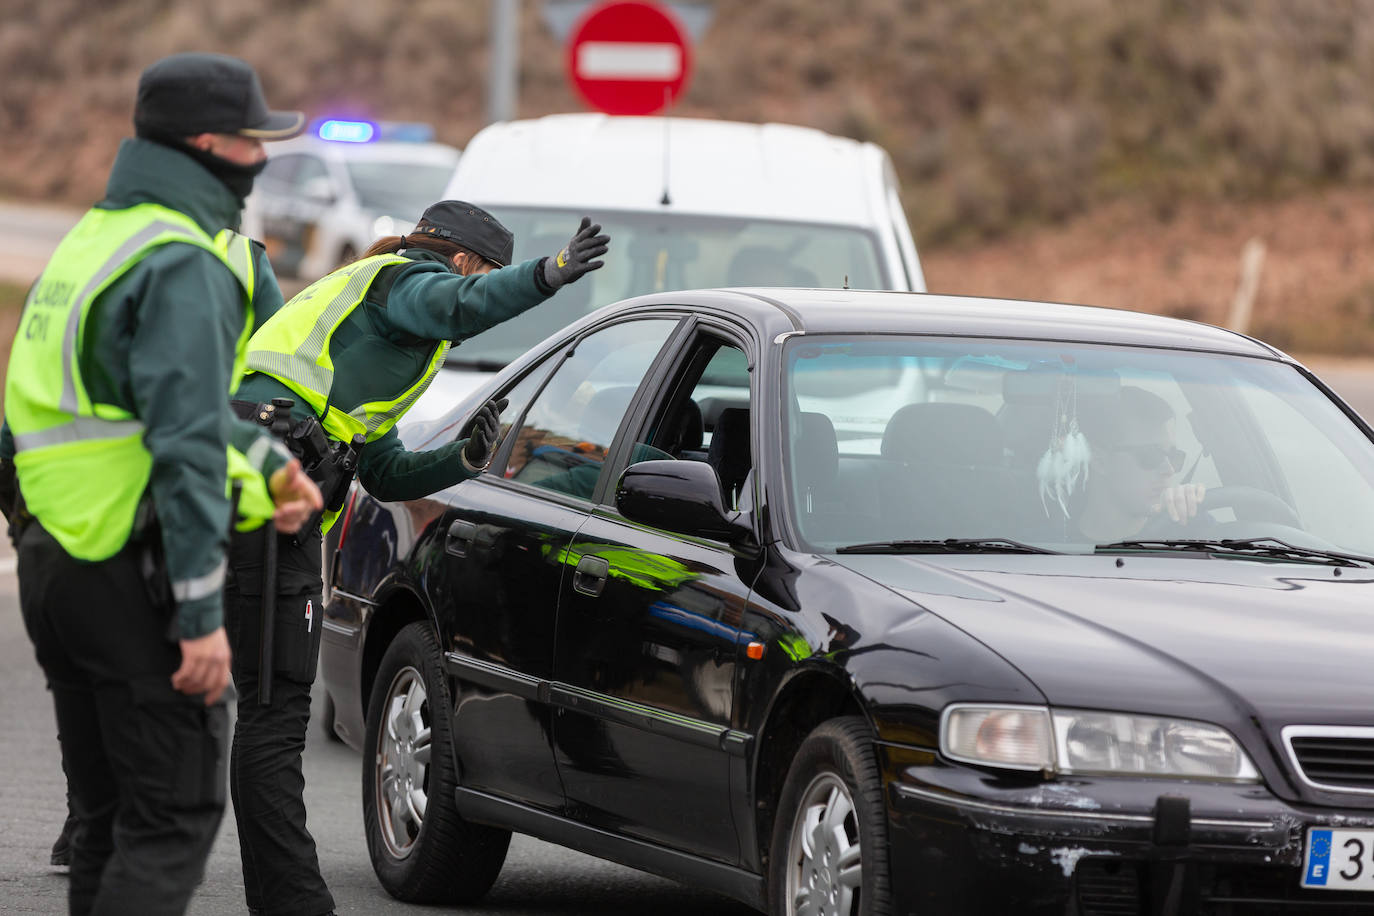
237 178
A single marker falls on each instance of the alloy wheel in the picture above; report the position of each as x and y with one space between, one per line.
825 870
403 759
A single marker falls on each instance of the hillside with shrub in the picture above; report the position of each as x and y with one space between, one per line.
1089 150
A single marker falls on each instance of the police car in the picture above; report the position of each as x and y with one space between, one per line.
326 196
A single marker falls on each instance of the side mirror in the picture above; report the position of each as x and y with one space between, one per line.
319 189
681 496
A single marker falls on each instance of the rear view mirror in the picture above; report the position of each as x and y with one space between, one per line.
681 496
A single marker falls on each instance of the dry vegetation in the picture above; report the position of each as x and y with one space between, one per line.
11 302
1089 150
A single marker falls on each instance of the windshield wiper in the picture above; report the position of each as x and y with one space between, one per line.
481 365
947 545
1255 547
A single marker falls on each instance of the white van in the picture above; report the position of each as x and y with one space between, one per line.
688 203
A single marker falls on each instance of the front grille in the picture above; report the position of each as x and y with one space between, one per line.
1336 758
1108 887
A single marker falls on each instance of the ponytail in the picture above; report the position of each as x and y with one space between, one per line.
387 244
390 244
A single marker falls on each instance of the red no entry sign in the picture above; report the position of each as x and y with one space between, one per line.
629 57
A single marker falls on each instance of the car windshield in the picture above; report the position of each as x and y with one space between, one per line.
653 252
1067 447
401 189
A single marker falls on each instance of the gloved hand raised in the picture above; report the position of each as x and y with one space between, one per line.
483 431
578 257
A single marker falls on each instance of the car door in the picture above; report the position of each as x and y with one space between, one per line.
505 540
648 625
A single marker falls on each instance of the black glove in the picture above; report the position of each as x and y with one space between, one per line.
483 430
576 259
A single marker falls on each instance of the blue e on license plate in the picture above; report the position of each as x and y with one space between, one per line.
1339 860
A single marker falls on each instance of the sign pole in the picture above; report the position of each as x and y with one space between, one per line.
503 77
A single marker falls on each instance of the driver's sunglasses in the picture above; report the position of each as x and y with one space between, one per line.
1149 456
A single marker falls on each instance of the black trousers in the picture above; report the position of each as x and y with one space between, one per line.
144 763
281 870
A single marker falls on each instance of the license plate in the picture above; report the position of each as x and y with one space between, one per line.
1339 860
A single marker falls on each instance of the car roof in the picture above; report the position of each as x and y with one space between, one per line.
720 168
840 311
375 151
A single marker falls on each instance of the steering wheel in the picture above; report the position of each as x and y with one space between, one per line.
1252 501
1257 504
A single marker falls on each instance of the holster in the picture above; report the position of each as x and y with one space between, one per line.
146 541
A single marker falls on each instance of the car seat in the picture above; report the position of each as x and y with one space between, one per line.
947 473
815 464
730 454
684 431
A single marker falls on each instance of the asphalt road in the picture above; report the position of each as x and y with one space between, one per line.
538 879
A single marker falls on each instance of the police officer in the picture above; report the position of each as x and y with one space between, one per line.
353 352
119 435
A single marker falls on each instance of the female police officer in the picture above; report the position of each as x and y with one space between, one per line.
354 351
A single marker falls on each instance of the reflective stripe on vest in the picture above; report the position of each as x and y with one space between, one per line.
293 347
82 466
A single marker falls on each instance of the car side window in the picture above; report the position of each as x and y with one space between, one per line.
707 416
309 168
562 443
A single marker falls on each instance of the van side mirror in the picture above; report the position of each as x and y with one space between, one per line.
681 496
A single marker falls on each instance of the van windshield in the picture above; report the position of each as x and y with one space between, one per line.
653 252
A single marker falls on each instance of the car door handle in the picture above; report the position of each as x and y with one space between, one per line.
460 535
590 577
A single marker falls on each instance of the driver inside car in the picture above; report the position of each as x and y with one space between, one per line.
1130 481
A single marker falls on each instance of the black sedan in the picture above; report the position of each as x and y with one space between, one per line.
845 602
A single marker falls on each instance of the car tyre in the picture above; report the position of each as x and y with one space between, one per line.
829 852
421 849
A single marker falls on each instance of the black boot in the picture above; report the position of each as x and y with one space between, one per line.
62 849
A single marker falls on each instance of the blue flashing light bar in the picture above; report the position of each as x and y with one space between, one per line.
347 131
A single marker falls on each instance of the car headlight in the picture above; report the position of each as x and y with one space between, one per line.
1098 742
1015 737
1086 741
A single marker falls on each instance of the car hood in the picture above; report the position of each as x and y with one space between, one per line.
1206 638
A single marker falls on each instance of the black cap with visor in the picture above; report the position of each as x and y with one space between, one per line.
199 93
470 227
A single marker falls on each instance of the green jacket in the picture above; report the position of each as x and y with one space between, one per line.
384 344
160 343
